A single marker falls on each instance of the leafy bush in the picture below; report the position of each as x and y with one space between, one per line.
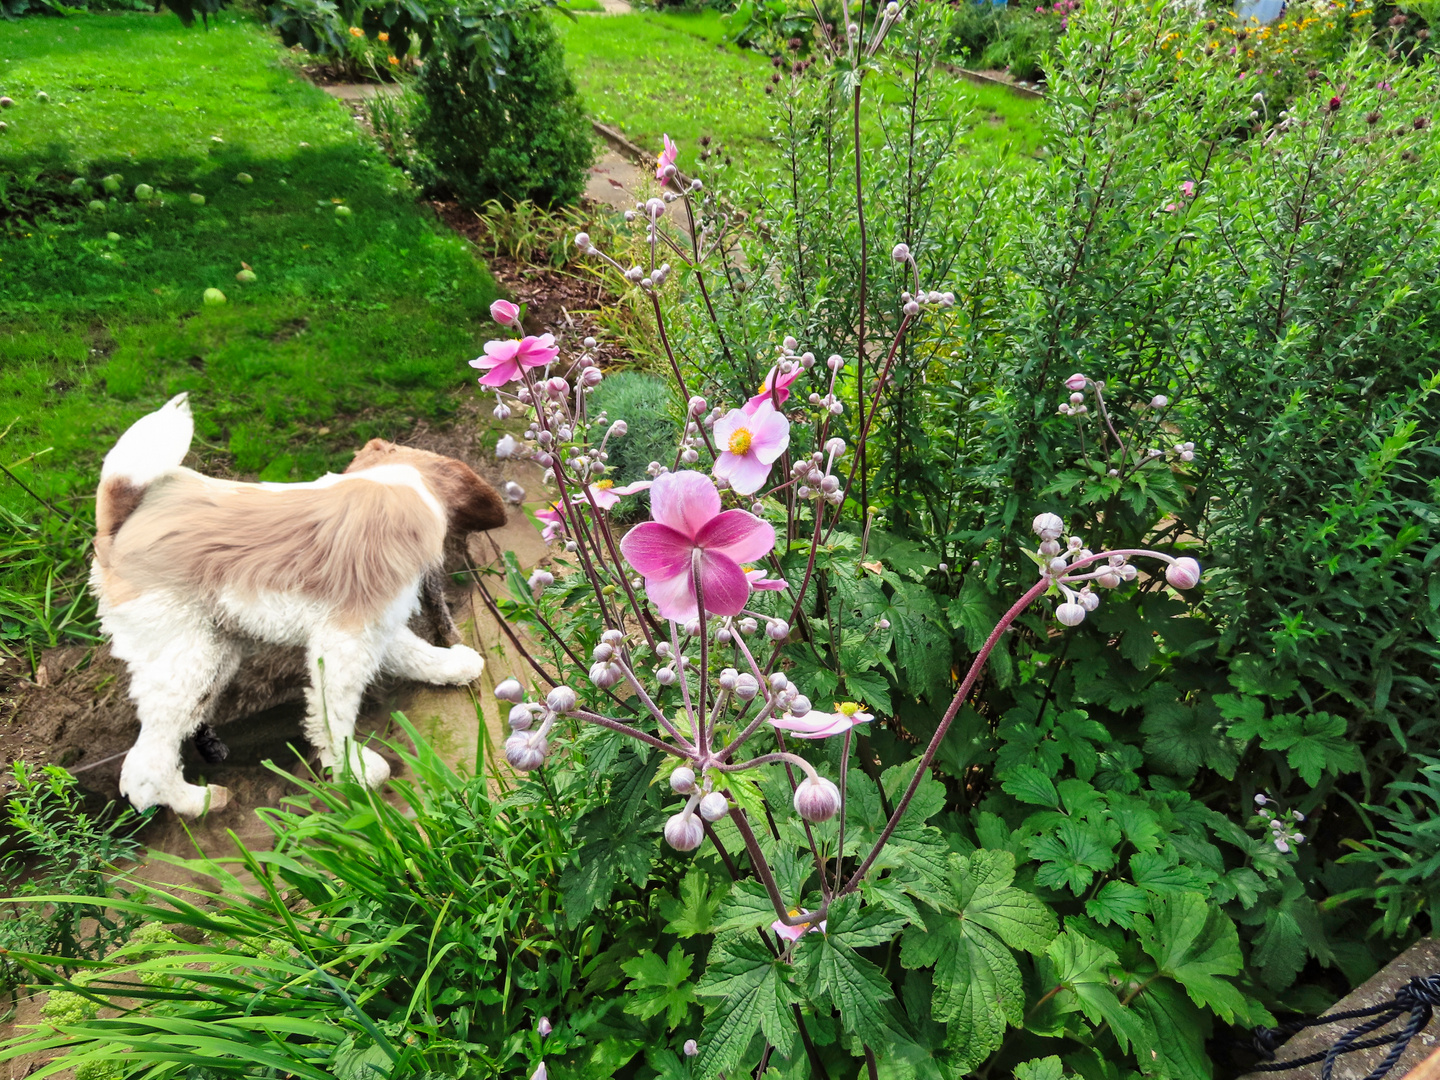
57 847
518 135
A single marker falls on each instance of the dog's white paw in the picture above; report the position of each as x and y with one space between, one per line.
369 766
192 801
463 665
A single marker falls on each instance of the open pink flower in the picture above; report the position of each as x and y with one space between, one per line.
504 312
607 495
749 443
667 158
819 725
758 580
781 385
1187 188
506 359
554 519
795 933
688 522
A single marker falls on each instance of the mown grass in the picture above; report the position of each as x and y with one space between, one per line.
655 73
355 326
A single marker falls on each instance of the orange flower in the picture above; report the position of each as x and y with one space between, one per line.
355 31
395 60
384 36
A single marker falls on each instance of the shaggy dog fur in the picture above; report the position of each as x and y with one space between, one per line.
192 573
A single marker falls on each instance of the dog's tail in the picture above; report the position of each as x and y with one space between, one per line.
153 445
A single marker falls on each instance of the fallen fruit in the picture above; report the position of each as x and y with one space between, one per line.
6 102
245 277
79 184
96 206
244 178
214 297
144 192
42 97
111 236
112 183
197 198
342 211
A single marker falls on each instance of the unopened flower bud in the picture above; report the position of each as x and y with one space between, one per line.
521 717
697 405
666 676
836 362
618 428
540 1073
562 699
817 799
524 755
591 376
1075 382
1050 548
682 780
655 209
510 690
777 629
514 493
1183 573
900 253
1070 614
501 411
582 241
714 806
883 624
1159 401
728 678
799 705
684 831
543 1028
746 686
911 308
691 1048
1048 526
1089 600
505 447
1108 580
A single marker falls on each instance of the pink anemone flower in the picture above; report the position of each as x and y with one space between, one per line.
504 312
749 443
781 384
758 580
667 158
1187 188
554 519
690 534
505 360
607 495
795 933
819 725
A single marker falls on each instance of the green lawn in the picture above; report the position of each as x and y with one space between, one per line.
355 326
650 73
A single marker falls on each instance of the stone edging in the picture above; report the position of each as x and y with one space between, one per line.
621 144
988 80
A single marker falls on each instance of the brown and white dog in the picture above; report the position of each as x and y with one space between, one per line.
191 572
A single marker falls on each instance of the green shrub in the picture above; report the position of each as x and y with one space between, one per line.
651 413
520 134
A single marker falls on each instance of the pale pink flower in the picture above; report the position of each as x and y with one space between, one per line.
758 580
819 725
554 519
667 158
607 495
688 521
1075 382
1187 188
504 312
781 384
795 933
506 359
749 443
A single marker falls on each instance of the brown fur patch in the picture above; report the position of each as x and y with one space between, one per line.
473 505
356 544
114 503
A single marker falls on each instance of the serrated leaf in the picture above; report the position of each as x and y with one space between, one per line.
1117 902
1174 1047
751 985
929 797
694 911
1029 784
1195 943
1046 1068
862 928
1072 855
858 989
745 907
658 986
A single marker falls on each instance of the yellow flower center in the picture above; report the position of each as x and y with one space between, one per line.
740 441
604 485
847 708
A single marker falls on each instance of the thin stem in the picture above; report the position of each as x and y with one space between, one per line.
864 272
1035 591
767 878
634 733
702 733
840 842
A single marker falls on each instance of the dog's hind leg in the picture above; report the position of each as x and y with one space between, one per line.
411 657
172 681
341 666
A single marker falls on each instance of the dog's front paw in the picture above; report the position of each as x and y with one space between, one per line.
463 665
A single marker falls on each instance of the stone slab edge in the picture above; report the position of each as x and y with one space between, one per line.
621 144
987 80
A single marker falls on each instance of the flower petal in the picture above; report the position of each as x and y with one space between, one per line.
502 350
736 533
685 501
726 589
501 373
673 596
770 433
728 424
746 472
813 725
657 550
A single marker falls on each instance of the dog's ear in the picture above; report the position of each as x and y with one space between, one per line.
371 454
472 504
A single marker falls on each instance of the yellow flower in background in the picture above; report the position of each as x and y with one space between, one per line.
395 60
384 36
355 31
